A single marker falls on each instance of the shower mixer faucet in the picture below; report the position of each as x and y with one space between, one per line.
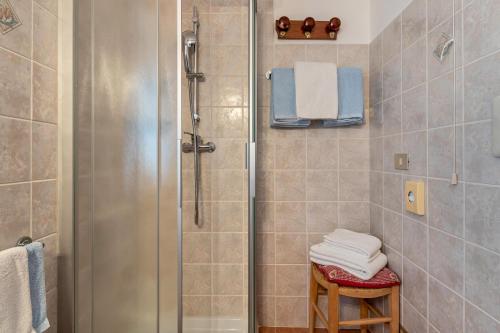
208 147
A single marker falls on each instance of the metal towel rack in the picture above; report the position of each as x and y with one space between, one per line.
25 240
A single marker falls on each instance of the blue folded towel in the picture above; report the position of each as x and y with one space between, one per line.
37 287
283 108
351 98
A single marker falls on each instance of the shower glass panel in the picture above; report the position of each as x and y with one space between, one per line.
125 133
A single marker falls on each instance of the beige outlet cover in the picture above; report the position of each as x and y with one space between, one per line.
415 197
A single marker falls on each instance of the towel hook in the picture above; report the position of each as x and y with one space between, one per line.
25 240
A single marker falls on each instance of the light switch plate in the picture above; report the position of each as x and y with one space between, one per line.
401 161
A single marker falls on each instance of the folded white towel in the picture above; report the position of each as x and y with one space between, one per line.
316 90
331 250
15 302
364 272
363 244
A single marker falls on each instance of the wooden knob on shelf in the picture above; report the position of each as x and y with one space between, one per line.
308 26
333 27
282 26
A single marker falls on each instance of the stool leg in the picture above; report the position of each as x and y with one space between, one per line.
394 309
333 308
363 314
313 299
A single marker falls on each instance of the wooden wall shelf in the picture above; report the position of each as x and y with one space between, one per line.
307 29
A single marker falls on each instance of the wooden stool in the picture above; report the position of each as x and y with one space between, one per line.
336 282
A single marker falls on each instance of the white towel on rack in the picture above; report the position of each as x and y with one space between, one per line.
316 90
15 302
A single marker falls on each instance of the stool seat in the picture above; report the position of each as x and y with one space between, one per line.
336 283
383 279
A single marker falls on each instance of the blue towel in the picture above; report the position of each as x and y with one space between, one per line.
351 98
283 109
37 287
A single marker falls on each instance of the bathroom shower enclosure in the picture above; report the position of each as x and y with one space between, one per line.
136 256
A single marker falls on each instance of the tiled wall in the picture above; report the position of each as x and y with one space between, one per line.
449 259
309 181
215 255
29 134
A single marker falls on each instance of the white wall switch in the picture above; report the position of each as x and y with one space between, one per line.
401 161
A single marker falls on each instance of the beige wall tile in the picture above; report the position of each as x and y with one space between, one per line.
15 213
291 280
266 279
228 279
290 154
266 309
197 306
205 217
197 279
44 37
227 248
52 310
322 216
291 311
321 185
265 248
322 153
354 154
290 216
51 254
228 306
44 208
354 186
50 5
291 248
14 150
265 216
290 185
354 216
197 248
44 94
19 39
44 148
15 83
227 216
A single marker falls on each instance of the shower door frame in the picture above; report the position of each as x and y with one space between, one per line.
252 163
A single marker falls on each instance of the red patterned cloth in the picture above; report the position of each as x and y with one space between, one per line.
383 279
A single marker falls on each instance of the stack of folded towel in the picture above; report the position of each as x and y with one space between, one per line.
316 91
23 307
356 253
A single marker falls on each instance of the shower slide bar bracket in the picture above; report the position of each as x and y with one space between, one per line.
199 76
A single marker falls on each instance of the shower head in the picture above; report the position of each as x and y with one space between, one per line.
443 48
189 42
